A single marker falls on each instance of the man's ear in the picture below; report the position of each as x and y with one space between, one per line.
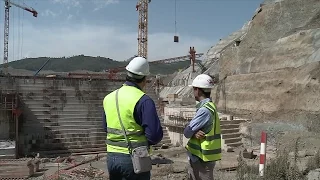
198 91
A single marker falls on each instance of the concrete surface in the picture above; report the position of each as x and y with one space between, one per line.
7 149
176 118
63 115
4 125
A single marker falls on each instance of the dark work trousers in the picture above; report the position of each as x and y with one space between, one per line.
200 170
120 168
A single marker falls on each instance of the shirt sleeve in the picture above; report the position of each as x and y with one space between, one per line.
104 121
146 115
104 118
201 118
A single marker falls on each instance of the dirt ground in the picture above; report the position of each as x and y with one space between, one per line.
280 137
176 170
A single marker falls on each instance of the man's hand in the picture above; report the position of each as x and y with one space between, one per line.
200 134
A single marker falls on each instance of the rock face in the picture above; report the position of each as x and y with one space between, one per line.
275 70
270 69
314 174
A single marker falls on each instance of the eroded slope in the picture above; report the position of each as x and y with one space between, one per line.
275 71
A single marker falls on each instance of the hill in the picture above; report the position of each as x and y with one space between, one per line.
88 63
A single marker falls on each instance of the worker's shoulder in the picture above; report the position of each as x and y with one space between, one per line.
109 94
112 92
203 109
146 98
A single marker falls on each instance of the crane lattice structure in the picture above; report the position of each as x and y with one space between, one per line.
7 6
142 7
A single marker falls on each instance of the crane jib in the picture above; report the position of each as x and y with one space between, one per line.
8 4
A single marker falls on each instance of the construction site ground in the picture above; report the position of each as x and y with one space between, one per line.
267 72
172 163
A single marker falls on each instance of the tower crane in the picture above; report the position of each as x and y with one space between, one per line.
7 6
142 7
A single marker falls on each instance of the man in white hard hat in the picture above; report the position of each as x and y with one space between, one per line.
139 118
204 145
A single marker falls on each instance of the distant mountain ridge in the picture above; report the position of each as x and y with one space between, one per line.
89 63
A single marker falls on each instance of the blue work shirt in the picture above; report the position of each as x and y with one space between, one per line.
145 114
201 121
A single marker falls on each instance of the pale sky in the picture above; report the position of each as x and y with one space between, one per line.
108 28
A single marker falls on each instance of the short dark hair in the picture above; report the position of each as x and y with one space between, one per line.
206 94
135 80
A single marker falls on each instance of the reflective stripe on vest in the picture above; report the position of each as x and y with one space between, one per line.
120 132
204 152
124 144
209 148
127 98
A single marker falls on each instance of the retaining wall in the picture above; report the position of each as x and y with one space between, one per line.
62 115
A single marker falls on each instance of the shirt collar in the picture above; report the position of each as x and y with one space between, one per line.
128 83
202 102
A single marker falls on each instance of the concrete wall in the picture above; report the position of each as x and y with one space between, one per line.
4 125
175 119
61 115
177 138
6 85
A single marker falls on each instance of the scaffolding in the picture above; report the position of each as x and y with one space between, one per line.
9 102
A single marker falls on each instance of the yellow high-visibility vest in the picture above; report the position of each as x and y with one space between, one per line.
128 96
208 148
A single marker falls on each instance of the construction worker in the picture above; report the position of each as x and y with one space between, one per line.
204 145
139 119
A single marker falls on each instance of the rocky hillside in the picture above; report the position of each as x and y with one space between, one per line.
270 69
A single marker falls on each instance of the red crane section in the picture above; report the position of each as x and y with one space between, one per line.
112 73
192 53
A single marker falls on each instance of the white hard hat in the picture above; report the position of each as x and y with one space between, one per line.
202 81
138 66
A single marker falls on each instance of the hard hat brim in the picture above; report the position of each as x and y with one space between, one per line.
201 87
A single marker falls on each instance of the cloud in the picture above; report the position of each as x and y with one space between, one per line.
96 40
48 12
103 3
68 3
98 4
70 16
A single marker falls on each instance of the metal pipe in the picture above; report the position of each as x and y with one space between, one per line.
35 74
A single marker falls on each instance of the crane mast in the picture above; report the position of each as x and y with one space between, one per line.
6 36
142 7
6 29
